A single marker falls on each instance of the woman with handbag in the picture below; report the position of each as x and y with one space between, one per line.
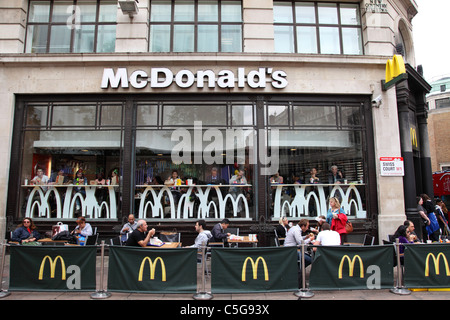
337 218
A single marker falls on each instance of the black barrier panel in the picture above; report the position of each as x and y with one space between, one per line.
427 266
352 268
254 269
133 269
52 268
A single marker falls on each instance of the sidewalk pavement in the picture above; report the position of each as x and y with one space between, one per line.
362 295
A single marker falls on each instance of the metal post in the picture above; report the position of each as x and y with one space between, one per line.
303 292
399 289
203 295
3 293
101 294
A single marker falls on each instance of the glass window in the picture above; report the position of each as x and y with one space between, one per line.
160 11
284 39
318 28
327 13
84 39
282 12
39 11
231 38
196 26
176 115
37 38
315 116
306 40
183 38
208 10
60 39
72 26
184 10
160 38
329 40
305 12
231 11
207 38
352 41
350 14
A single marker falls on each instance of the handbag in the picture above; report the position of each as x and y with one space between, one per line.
58 228
348 227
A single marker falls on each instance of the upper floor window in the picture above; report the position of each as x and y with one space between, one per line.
317 27
71 26
195 26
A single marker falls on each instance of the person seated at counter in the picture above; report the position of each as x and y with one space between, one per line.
276 178
40 178
313 176
115 180
140 237
214 177
172 181
335 176
83 228
25 232
60 178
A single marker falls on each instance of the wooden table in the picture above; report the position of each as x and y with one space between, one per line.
246 240
166 245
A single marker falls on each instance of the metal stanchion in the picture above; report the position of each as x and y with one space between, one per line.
304 292
399 289
3 293
101 294
203 295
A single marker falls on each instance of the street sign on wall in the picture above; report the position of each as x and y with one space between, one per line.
392 166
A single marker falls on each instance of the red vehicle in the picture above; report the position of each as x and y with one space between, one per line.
441 186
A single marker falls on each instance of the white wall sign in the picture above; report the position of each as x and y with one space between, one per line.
164 77
392 166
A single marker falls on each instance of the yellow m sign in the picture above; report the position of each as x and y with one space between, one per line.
395 67
413 133
255 268
351 265
152 265
436 263
52 267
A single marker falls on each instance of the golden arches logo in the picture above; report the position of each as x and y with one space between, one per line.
255 268
395 67
413 133
152 265
436 264
351 265
52 267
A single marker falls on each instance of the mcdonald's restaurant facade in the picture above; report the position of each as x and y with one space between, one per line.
226 85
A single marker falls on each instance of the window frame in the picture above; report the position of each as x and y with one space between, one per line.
50 24
294 25
196 23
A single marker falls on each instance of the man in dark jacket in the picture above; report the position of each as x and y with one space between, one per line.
218 231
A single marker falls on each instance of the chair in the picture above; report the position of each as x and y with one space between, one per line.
278 239
368 240
92 240
116 241
391 238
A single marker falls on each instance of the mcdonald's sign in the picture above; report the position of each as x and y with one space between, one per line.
152 265
255 268
52 267
351 265
436 263
414 141
395 72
